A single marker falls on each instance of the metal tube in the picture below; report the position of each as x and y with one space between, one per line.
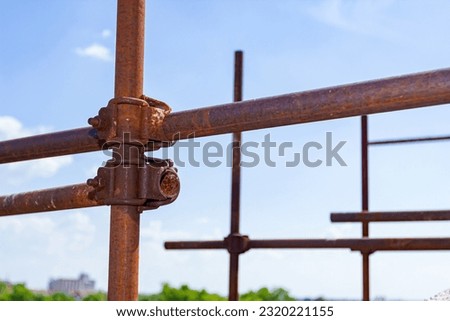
47 145
54 199
365 202
390 94
236 167
194 245
391 216
233 282
366 275
377 96
125 220
361 244
364 172
409 140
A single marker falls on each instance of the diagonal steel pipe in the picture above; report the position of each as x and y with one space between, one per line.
377 96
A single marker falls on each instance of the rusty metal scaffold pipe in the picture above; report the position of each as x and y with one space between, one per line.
233 286
53 199
409 140
194 245
362 244
48 145
125 219
377 96
391 216
365 203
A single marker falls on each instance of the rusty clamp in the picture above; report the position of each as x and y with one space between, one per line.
127 125
237 243
143 120
158 184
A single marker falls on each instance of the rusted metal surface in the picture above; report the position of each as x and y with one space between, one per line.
47 145
125 219
365 203
133 123
398 93
233 286
157 182
361 244
392 216
364 172
144 116
391 94
237 137
409 140
366 274
62 198
195 245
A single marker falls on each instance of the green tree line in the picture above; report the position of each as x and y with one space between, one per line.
19 292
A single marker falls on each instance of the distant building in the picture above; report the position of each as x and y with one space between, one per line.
76 287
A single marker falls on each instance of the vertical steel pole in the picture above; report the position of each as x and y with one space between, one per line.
365 202
125 220
233 292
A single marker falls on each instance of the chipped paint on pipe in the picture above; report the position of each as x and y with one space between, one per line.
54 199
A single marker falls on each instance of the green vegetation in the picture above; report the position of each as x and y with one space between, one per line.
265 294
19 292
99 296
184 293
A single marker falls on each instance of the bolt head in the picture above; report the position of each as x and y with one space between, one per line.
170 184
94 121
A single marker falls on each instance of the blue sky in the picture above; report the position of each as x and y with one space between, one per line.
57 69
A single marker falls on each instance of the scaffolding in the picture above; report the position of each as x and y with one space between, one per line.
132 124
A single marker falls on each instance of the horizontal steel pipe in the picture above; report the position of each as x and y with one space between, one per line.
409 140
391 216
194 245
390 94
363 244
47 145
377 96
54 199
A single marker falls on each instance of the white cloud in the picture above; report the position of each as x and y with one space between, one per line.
95 51
18 173
106 33
155 233
40 168
11 128
71 233
363 17
27 224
